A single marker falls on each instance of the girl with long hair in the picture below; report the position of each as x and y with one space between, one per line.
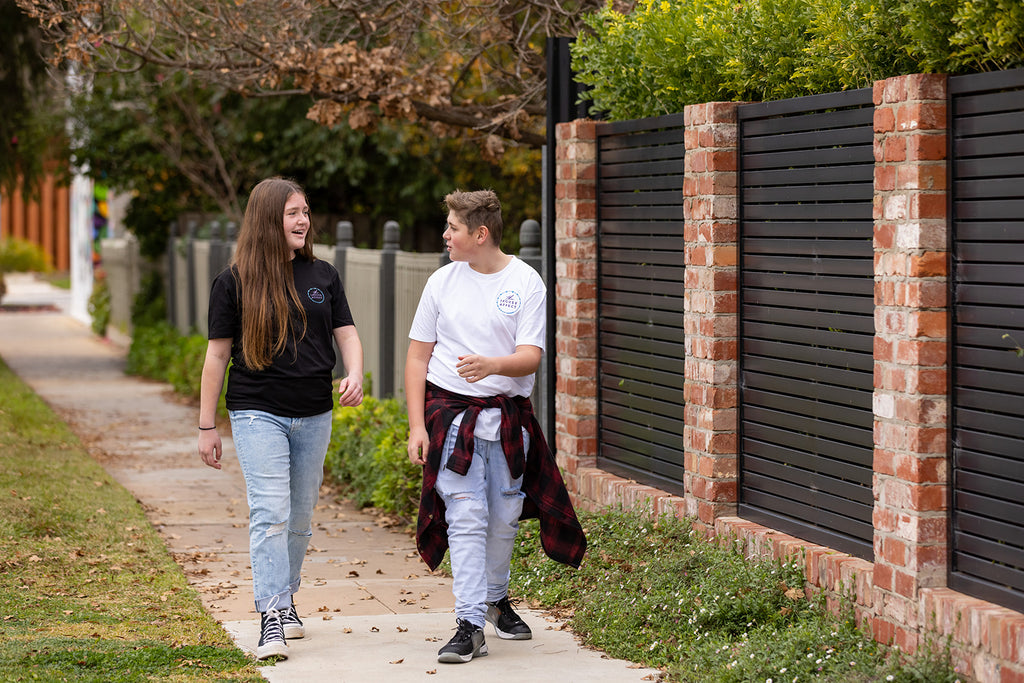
275 316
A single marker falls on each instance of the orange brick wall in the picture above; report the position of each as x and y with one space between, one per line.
709 314
911 318
903 591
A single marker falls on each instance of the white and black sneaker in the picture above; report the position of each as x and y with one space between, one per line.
507 624
293 626
467 643
272 642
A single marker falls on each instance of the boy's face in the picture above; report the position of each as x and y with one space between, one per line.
459 241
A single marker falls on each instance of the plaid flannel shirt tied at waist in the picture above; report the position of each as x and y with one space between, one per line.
546 496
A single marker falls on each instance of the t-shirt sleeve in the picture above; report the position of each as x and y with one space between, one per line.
223 318
424 323
341 314
531 323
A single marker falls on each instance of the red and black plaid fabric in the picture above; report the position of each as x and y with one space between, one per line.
546 496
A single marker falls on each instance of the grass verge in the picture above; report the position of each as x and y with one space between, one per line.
88 591
657 593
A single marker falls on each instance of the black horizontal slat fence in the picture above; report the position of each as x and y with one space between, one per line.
987 374
640 300
806 317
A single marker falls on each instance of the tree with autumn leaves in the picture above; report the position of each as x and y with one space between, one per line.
472 67
192 100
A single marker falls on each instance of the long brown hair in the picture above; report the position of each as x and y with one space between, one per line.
263 266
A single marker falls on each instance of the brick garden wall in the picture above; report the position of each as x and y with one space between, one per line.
902 593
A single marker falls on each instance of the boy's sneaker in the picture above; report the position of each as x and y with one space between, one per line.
507 624
271 636
293 627
467 643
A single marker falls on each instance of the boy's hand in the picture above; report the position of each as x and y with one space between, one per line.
417 447
474 368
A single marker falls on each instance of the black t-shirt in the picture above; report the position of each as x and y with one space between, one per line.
298 381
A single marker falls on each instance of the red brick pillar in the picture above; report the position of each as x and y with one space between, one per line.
576 302
911 333
709 318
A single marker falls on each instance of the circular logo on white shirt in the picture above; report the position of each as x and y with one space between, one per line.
509 302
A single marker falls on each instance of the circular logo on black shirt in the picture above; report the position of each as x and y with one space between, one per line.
315 295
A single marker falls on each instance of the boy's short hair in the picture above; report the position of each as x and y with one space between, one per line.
475 209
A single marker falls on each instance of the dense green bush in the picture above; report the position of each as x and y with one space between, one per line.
160 352
667 54
99 306
367 457
21 256
150 305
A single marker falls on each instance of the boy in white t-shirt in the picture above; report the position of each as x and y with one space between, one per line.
475 343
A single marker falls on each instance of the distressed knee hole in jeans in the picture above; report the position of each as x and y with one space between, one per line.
512 492
275 529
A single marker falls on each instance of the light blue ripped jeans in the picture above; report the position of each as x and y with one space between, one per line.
482 509
282 459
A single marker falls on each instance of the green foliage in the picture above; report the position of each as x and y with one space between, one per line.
99 306
927 30
32 124
150 305
667 54
658 593
367 457
989 35
160 352
186 146
88 590
21 256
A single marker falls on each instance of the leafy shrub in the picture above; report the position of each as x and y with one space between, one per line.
99 306
160 352
367 457
989 35
150 305
21 256
667 54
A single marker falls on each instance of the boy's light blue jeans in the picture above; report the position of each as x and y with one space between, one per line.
282 459
482 509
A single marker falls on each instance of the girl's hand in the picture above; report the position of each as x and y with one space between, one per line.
350 392
210 447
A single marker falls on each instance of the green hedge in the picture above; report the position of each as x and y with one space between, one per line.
21 256
160 352
667 54
367 457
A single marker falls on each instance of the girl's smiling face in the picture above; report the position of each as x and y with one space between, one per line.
296 221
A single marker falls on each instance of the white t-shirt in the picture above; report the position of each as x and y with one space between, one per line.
464 312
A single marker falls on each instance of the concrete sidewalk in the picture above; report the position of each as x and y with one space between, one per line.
372 609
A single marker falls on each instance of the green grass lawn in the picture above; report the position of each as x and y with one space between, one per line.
88 591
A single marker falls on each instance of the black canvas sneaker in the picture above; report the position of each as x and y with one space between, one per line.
507 624
467 643
293 627
271 636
